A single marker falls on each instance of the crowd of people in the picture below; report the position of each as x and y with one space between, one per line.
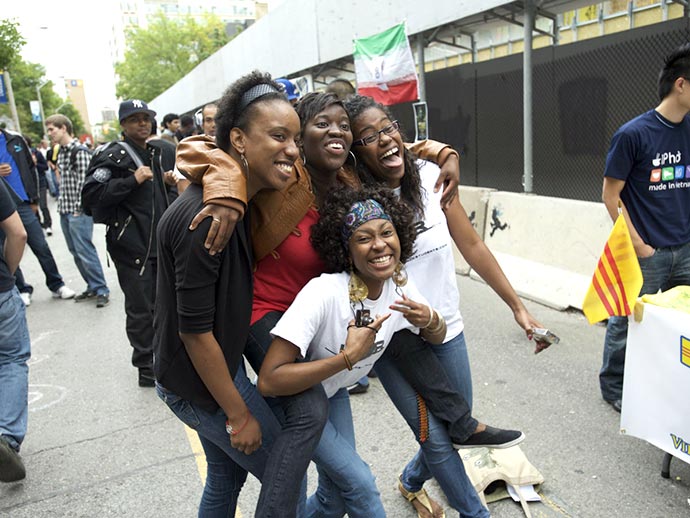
299 235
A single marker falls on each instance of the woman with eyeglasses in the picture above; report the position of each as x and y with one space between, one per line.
383 160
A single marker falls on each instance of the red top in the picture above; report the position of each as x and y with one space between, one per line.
284 272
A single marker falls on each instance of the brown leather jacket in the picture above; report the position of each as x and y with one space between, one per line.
274 213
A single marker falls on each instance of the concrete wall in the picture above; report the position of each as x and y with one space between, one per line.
302 34
547 247
474 200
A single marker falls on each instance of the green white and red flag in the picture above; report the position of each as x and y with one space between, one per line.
385 68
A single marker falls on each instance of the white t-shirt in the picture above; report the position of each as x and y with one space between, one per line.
317 321
432 266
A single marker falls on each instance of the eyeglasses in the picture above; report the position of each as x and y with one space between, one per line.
370 139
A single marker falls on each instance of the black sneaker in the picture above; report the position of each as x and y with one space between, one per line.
492 438
146 377
85 295
102 301
357 388
11 465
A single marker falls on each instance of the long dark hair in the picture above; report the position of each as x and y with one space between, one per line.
411 190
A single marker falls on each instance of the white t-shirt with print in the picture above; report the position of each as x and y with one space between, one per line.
316 322
432 266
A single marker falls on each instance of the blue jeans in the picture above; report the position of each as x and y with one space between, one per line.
303 417
78 232
225 474
15 351
346 483
665 269
437 457
39 246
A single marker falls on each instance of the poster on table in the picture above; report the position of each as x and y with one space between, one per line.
657 380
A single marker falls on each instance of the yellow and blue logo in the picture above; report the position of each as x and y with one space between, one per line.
685 351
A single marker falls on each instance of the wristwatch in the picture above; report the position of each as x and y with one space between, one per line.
229 429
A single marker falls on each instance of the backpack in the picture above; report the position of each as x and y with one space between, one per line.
492 470
73 154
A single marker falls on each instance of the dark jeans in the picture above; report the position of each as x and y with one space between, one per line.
227 467
39 246
422 369
43 206
139 289
302 416
665 269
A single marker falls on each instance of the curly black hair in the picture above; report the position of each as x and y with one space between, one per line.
326 236
230 112
411 189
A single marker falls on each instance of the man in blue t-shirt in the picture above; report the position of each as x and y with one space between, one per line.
17 168
648 172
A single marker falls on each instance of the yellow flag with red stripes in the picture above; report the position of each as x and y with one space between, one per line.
617 280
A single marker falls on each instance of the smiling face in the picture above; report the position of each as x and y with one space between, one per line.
326 139
269 145
375 251
384 156
137 127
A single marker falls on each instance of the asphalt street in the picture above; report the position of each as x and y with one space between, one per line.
100 446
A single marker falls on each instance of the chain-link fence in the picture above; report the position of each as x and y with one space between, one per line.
582 93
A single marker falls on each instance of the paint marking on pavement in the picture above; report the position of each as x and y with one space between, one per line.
200 458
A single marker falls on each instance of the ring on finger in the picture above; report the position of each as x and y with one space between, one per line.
216 219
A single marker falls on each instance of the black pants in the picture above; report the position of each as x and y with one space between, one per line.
139 289
46 220
422 369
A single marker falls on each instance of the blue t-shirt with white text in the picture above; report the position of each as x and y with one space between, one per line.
652 155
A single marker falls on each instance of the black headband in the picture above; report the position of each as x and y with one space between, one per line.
254 93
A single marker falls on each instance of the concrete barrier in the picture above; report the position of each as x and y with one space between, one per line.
474 200
547 247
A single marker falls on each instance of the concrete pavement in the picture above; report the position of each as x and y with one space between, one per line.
98 445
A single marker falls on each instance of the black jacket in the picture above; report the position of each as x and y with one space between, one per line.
20 151
133 209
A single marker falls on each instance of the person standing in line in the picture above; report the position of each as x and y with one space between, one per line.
17 168
125 183
77 227
647 171
15 345
170 124
208 119
42 170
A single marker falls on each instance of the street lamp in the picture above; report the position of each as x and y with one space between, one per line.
40 105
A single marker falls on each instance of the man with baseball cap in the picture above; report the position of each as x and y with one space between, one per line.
125 184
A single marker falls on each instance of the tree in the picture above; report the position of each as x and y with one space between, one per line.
157 57
11 42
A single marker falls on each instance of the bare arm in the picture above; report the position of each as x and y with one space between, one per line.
15 240
611 196
209 362
482 261
281 376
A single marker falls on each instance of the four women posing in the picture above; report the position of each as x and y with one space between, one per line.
324 340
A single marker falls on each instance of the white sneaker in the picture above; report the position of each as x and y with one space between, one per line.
26 298
49 231
64 293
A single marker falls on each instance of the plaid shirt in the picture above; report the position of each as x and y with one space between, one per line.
71 180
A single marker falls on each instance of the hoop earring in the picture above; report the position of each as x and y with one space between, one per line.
357 290
304 158
244 161
399 277
354 159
